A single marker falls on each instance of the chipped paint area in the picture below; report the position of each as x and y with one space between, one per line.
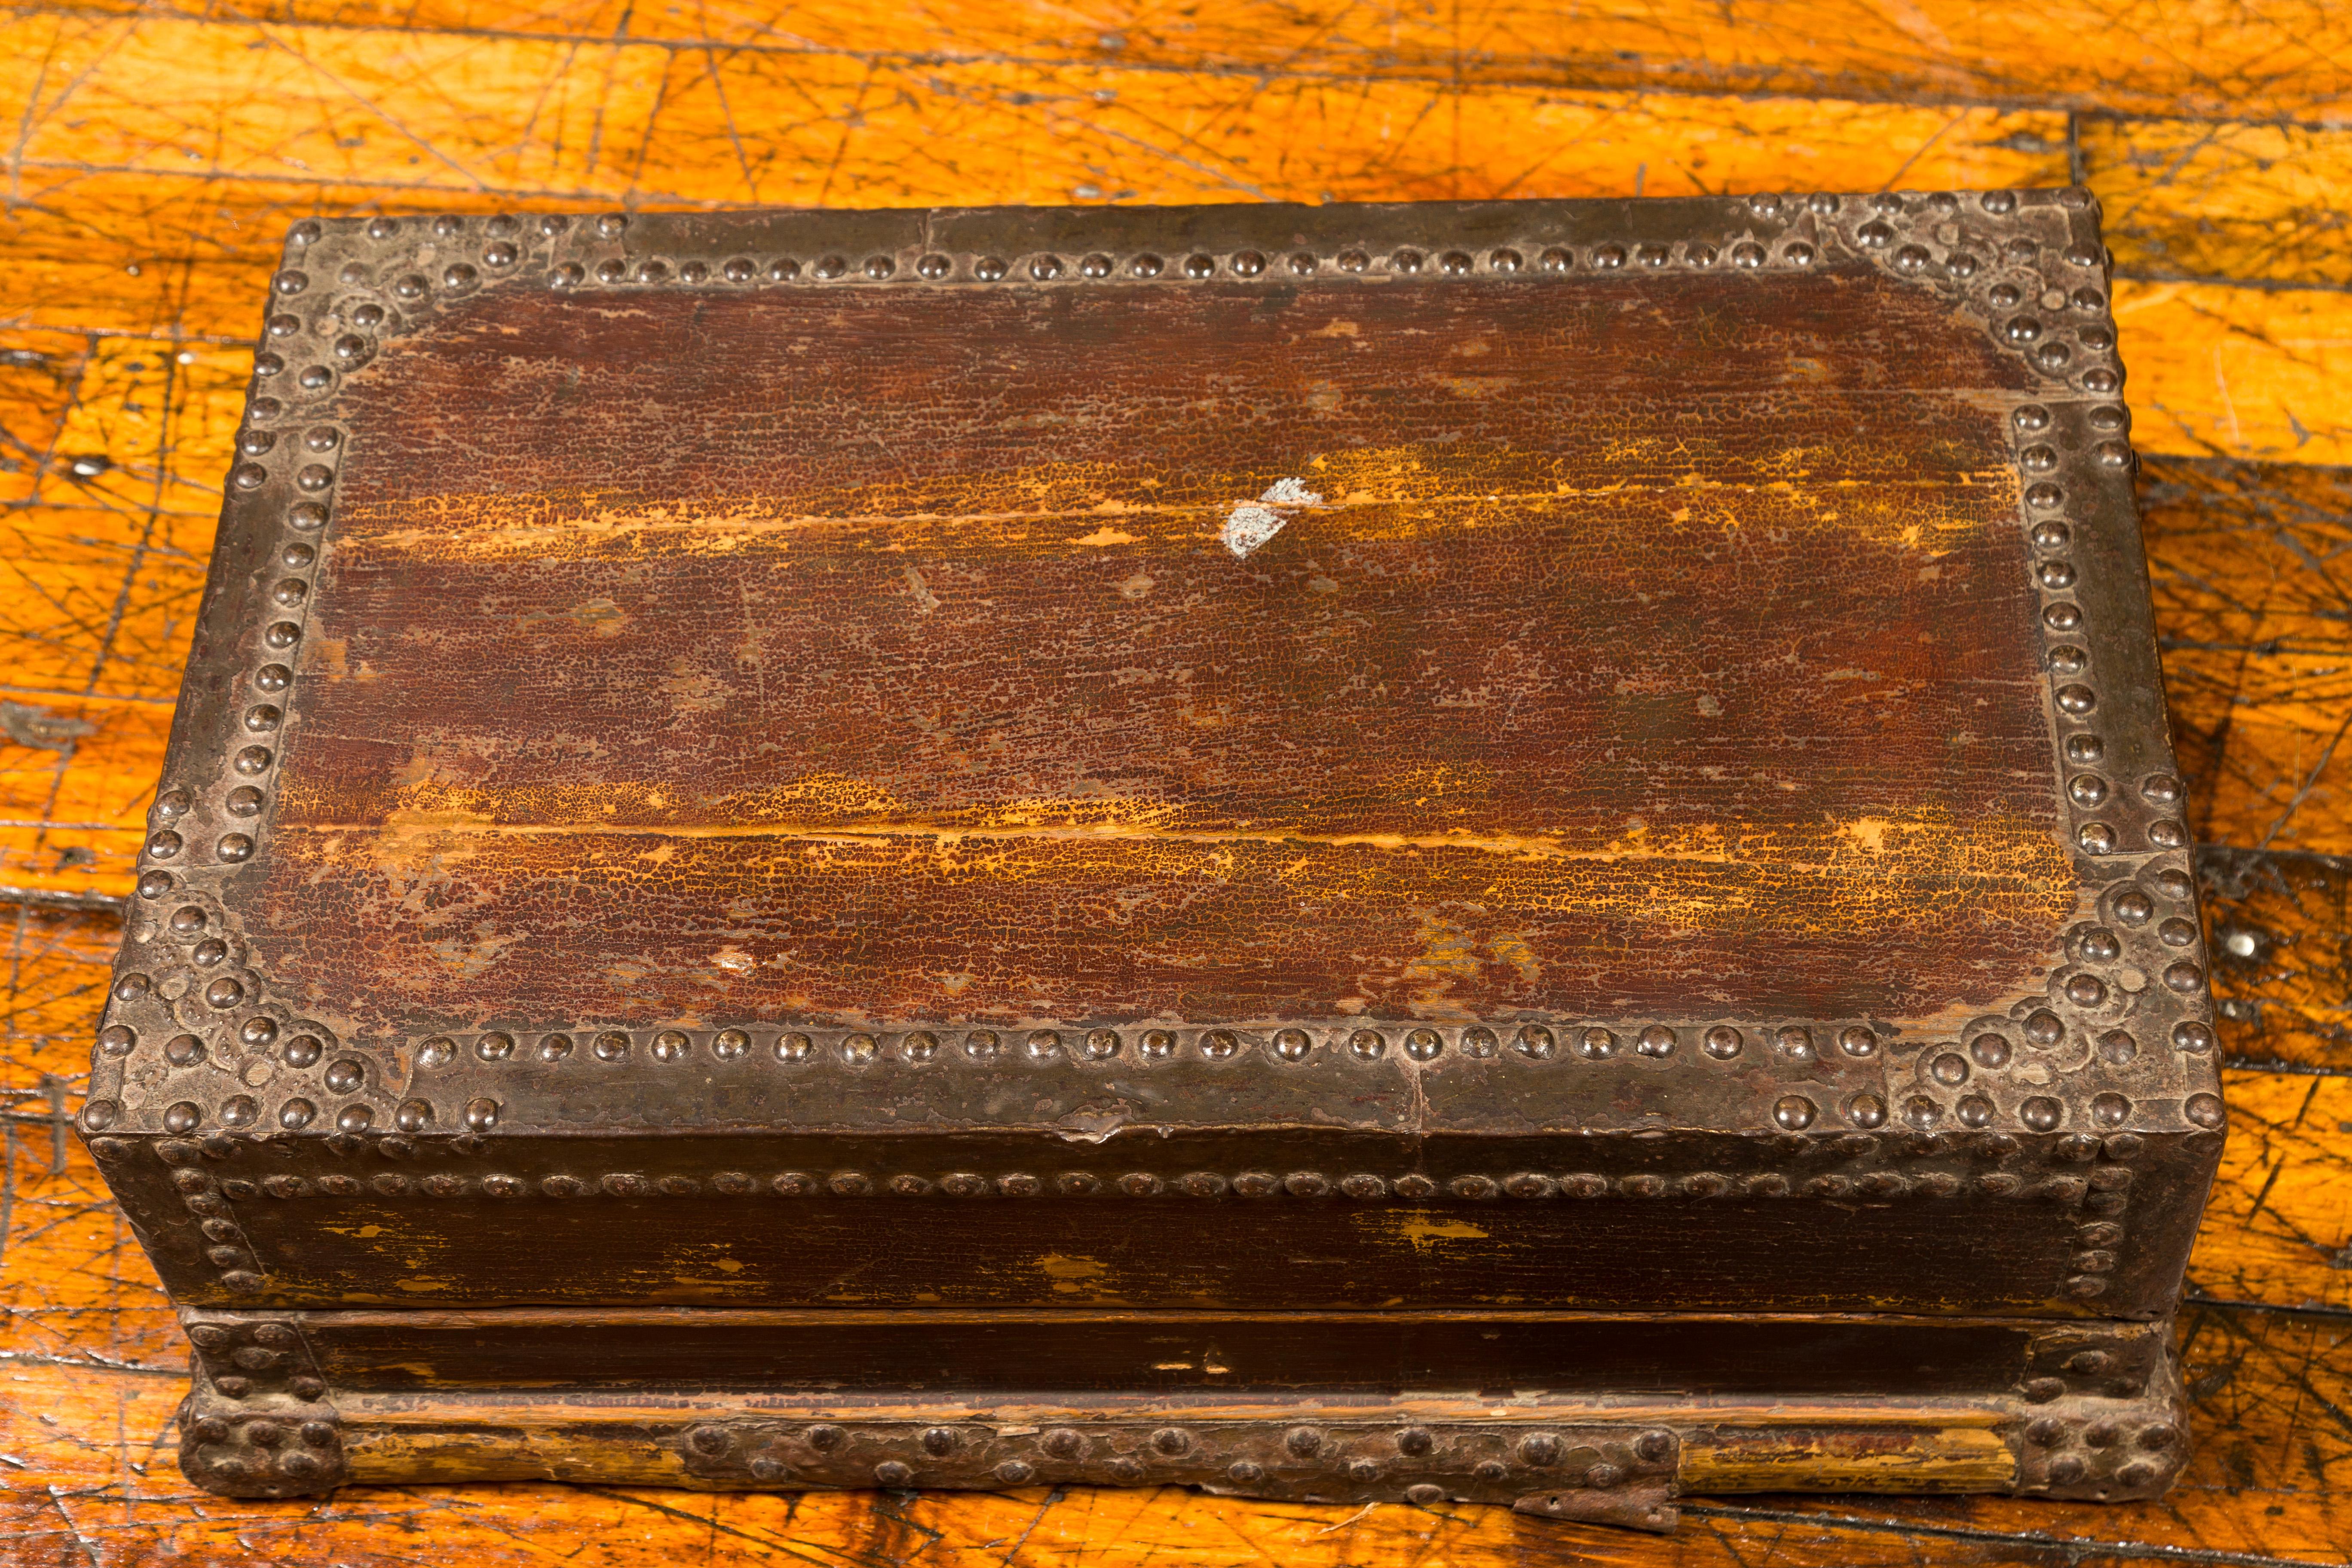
1421 1232
1251 526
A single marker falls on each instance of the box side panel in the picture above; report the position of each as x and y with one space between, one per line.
1187 1221
994 1353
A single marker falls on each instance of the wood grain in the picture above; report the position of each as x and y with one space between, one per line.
2252 623
2259 59
2281 954
2222 199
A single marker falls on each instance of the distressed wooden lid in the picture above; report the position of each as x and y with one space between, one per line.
1492 669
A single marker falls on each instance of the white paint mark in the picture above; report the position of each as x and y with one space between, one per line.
1251 525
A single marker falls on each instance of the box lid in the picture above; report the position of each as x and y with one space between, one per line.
1427 697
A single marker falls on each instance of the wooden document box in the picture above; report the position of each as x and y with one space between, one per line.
1520 851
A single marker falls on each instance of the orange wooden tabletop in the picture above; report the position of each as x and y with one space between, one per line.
158 152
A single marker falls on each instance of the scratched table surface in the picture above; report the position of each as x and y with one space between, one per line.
156 153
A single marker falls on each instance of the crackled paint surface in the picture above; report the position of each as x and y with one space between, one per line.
913 676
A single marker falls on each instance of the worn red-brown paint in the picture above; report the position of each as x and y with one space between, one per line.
816 656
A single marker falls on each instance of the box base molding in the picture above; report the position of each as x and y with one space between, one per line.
1621 1461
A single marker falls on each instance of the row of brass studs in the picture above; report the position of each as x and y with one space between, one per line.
1362 1043
1060 1446
2072 693
1361 1185
1047 267
252 764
